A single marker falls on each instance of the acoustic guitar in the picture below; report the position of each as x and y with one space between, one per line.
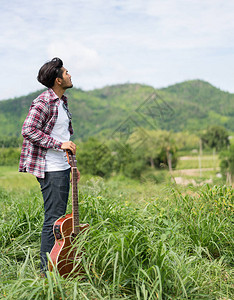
64 256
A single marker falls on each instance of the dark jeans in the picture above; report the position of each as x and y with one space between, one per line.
55 190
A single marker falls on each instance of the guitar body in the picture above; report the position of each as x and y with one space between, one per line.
64 254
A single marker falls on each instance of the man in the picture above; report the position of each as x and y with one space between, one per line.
46 131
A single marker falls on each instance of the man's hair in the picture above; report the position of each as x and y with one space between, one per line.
50 71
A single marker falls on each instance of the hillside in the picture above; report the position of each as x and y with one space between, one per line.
198 104
190 105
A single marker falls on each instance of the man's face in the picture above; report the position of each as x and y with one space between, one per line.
66 80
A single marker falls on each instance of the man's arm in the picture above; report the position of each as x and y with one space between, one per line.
32 129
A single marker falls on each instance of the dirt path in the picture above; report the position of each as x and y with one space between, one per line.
179 179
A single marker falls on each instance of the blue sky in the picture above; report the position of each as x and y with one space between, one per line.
103 42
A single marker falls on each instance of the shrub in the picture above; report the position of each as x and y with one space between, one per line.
9 156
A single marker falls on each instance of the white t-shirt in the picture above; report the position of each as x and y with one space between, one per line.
56 159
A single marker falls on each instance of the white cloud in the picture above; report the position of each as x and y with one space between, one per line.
194 23
81 61
105 42
75 54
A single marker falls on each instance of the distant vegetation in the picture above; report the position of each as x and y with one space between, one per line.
141 154
189 106
131 127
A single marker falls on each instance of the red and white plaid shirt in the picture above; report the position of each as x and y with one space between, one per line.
36 131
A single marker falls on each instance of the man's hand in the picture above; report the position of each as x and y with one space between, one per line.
70 146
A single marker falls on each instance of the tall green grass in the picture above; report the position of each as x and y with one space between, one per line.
140 245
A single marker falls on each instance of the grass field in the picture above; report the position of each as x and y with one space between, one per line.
192 162
146 240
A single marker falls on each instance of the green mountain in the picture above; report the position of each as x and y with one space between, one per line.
198 104
191 106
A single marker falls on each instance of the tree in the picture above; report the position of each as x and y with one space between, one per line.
216 137
95 158
227 164
150 140
159 147
10 141
127 160
186 140
167 155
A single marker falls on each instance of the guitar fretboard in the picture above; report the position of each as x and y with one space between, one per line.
75 204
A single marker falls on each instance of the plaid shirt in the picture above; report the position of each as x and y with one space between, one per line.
36 131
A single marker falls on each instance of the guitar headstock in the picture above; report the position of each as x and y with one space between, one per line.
71 158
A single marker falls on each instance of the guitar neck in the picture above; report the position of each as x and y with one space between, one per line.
75 204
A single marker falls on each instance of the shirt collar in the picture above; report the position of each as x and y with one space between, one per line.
55 97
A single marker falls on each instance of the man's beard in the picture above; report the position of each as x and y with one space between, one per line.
68 86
